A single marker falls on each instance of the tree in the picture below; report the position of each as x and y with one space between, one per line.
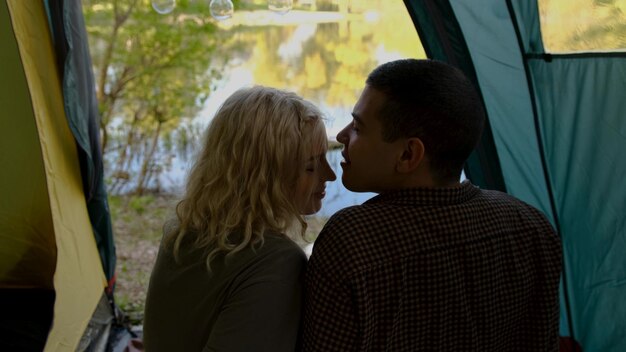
152 72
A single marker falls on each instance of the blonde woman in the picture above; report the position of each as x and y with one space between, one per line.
228 277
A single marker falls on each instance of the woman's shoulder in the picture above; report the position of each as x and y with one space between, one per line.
277 261
278 244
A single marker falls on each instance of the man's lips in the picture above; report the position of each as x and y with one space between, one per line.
321 194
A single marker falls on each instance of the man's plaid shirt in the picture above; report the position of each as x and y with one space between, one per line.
457 269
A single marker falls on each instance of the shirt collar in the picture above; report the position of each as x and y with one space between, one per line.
428 196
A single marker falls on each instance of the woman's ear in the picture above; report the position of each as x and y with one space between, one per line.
412 155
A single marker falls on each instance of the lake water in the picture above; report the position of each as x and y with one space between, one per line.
324 57
325 60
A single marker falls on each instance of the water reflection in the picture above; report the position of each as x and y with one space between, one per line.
582 25
323 56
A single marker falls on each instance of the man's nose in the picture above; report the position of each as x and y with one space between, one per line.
342 136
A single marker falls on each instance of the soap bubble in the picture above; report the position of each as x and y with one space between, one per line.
163 7
280 6
221 9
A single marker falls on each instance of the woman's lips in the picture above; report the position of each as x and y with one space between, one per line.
321 194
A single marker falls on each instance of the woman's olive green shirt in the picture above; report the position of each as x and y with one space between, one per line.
252 302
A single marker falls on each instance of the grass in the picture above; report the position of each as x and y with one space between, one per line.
137 226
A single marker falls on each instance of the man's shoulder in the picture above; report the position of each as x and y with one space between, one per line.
360 212
357 218
501 197
501 204
352 238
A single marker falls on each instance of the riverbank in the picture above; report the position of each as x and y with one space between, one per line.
137 224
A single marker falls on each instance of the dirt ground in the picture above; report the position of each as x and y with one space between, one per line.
137 226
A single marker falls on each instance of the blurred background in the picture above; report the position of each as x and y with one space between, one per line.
164 67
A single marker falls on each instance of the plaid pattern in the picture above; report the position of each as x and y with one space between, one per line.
457 269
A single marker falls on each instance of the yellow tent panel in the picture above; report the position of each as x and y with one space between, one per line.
27 244
78 278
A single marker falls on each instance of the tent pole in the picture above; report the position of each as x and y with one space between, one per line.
546 174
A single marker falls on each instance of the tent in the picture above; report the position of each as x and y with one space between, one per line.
556 129
55 229
555 139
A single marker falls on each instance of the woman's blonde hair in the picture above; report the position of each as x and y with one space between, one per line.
243 180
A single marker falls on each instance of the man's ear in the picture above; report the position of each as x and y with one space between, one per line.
412 155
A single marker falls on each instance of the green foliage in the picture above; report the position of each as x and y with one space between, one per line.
115 203
152 72
140 203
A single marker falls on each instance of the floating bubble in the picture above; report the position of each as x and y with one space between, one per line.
221 9
280 6
163 7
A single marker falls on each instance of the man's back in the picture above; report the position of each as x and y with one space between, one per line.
456 269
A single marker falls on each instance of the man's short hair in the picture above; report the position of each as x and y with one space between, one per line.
434 102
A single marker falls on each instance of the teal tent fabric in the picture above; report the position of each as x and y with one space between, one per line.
582 109
74 63
442 39
558 124
495 54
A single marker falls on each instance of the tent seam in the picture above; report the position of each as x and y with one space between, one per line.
542 156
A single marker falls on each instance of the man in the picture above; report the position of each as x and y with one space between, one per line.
430 264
